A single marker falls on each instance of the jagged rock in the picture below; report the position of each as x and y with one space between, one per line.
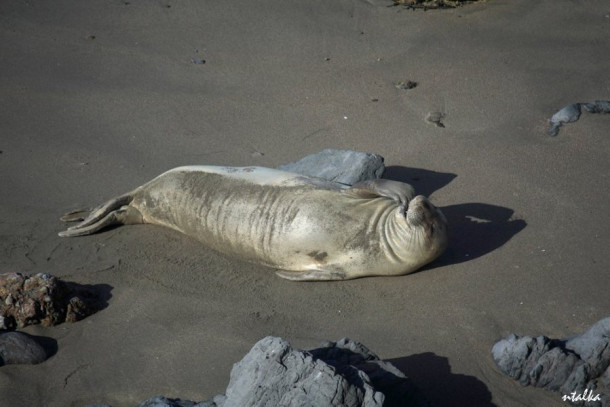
42 299
274 374
576 365
343 166
571 113
343 373
384 377
19 348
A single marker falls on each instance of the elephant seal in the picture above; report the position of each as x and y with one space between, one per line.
308 228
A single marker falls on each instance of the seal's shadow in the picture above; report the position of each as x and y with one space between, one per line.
475 229
428 371
424 181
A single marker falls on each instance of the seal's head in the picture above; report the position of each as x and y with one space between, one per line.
427 227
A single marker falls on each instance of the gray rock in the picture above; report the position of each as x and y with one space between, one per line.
599 106
593 346
383 376
343 166
578 364
343 373
571 113
19 348
274 374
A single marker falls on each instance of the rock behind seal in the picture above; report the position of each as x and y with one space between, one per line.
343 166
577 364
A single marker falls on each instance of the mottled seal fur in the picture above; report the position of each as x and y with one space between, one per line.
308 228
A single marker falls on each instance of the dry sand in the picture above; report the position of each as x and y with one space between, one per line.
97 97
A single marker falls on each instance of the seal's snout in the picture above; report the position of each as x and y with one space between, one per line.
421 211
420 202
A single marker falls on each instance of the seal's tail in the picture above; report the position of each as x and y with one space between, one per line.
114 212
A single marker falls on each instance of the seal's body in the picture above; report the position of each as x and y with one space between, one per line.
308 228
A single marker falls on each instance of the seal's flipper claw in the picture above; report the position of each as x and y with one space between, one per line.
400 192
75 216
311 275
126 215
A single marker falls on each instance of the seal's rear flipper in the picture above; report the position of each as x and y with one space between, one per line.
125 215
75 216
311 275
114 212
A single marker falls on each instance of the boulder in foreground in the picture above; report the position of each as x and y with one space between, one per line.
578 368
343 373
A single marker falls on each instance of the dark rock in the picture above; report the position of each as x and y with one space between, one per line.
20 348
599 106
432 4
42 299
160 401
343 166
578 364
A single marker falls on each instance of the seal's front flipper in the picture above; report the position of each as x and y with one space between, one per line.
311 275
125 215
398 191
75 216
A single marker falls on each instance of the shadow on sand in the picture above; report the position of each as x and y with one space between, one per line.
432 376
475 229
96 296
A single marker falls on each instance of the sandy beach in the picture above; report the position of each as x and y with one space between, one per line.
98 97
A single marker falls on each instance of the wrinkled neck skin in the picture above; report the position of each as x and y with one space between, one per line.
411 244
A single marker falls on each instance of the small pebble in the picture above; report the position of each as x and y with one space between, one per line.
436 119
405 85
